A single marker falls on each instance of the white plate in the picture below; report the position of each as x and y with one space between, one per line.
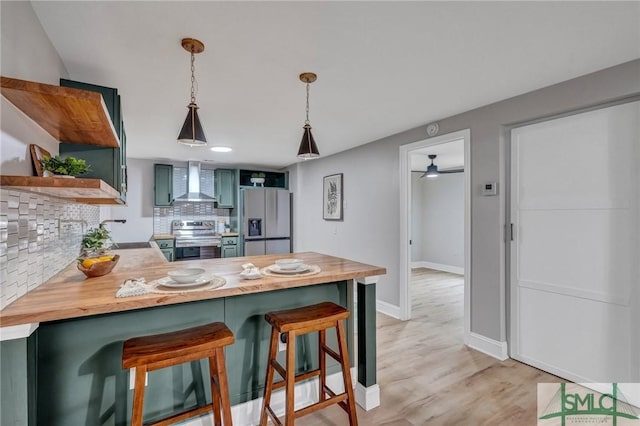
299 270
168 282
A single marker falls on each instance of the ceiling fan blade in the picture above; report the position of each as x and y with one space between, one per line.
452 171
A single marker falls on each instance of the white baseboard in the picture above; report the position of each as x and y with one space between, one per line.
438 267
248 413
488 346
388 309
368 398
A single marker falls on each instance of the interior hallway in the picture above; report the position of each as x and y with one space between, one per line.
428 376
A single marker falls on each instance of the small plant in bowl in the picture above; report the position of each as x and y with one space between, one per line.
94 260
95 243
69 166
257 178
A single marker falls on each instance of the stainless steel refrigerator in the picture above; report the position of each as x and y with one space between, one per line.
266 221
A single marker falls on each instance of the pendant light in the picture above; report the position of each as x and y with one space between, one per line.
308 149
192 133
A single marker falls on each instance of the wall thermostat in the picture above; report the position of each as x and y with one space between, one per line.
490 188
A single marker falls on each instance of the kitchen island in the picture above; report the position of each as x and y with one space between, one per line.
69 367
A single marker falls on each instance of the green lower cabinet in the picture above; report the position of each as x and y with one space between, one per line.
168 253
166 247
229 246
230 251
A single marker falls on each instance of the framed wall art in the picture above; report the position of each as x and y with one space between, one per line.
332 197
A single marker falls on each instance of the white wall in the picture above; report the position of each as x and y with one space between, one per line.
440 217
370 231
27 54
139 209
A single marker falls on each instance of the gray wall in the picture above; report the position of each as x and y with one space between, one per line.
416 217
439 215
370 230
27 54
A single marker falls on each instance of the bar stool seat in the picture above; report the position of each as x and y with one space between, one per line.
295 322
148 353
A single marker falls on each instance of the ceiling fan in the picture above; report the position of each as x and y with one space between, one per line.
432 169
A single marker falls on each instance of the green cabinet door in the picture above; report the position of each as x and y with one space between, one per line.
163 185
168 253
225 182
229 246
108 164
230 251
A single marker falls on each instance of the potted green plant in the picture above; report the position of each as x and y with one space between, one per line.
64 167
257 178
95 242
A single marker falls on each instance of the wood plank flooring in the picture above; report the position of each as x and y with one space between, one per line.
428 376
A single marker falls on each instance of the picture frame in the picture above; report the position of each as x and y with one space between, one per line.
37 154
332 189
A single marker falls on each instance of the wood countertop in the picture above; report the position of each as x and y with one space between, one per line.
70 294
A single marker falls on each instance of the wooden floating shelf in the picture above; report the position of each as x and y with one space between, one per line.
87 191
67 114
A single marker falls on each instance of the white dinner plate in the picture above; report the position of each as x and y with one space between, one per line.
168 282
299 270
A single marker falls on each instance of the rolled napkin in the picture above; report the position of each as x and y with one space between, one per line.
250 271
133 287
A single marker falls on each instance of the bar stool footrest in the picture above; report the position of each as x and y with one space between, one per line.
300 377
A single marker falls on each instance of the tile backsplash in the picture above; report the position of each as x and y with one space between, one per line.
163 216
39 236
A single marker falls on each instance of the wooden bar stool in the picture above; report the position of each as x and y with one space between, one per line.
294 322
150 353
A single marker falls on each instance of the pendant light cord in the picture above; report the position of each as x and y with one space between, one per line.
307 122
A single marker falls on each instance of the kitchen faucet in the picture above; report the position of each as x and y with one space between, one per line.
101 226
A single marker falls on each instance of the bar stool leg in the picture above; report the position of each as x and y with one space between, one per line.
268 382
215 391
224 387
138 396
323 363
291 378
346 374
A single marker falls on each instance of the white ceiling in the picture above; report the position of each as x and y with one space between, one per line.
450 155
383 67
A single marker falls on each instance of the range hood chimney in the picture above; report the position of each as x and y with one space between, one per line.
193 181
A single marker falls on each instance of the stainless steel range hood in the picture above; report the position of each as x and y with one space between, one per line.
193 181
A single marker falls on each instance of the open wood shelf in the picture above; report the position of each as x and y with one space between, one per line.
67 114
87 191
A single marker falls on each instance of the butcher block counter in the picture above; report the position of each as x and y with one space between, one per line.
61 371
70 294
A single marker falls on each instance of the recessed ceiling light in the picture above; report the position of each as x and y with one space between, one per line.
221 149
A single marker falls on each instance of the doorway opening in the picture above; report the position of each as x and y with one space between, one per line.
411 155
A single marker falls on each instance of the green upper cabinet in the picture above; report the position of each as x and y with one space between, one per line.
225 182
163 185
108 164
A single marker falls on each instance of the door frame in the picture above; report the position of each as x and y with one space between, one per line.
405 221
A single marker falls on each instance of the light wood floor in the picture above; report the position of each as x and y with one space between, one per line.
428 376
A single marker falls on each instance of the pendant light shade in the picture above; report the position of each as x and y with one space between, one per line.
308 149
192 133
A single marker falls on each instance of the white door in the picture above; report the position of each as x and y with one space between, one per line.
574 260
